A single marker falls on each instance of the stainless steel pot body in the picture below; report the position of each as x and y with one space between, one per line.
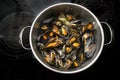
78 11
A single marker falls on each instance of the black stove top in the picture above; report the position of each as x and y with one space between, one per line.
19 64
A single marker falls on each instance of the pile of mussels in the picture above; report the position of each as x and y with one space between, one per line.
65 42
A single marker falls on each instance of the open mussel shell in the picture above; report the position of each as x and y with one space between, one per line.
90 50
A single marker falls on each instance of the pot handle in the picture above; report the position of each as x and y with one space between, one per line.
111 33
21 38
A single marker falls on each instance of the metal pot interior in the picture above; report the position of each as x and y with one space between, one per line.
77 11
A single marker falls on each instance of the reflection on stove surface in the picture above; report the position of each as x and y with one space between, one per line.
10 28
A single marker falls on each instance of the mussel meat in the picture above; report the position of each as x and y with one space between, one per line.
64 30
76 64
68 49
56 43
56 29
89 26
69 17
71 40
44 27
76 45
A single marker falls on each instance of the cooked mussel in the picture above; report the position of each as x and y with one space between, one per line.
76 63
89 26
63 19
71 40
69 17
67 64
81 57
44 27
51 34
90 50
56 29
76 44
64 30
68 49
55 43
58 23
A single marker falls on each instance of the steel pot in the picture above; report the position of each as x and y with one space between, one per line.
76 10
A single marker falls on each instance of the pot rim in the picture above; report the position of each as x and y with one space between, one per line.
67 72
